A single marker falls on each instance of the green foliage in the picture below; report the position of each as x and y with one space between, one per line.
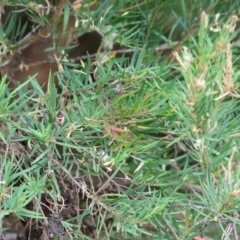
161 129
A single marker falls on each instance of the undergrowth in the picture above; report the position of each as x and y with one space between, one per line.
127 143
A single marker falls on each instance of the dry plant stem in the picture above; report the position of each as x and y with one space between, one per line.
84 190
228 231
235 234
170 227
94 56
231 228
174 164
21 42
191 188
1 235
118 185
192 206
110 178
